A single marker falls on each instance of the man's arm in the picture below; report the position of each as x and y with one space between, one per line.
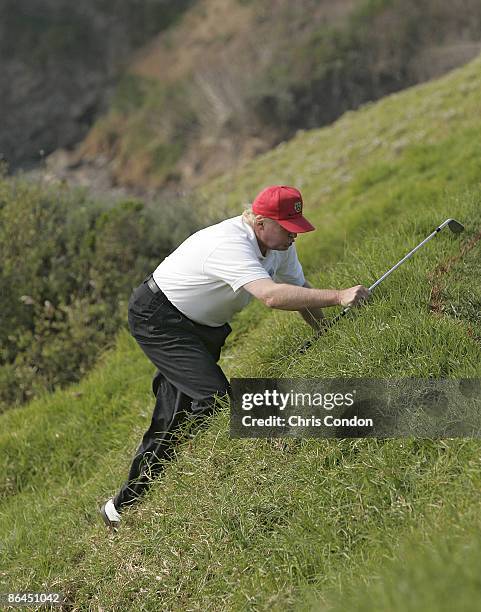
313 316
293 297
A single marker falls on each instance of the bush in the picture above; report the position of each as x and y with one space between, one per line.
68 267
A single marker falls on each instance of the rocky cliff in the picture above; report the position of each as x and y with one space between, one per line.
58 62
234 78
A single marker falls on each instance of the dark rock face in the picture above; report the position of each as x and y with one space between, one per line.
58 61
44 111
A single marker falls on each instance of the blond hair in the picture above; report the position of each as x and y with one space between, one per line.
249 216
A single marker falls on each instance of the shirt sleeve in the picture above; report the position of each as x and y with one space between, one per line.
290 269
235 263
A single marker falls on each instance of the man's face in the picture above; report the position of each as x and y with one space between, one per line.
273 236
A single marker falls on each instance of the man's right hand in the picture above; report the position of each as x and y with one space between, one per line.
292 297
353 296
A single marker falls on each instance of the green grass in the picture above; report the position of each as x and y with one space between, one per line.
424 579
287 524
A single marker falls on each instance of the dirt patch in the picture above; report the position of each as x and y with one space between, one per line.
436 302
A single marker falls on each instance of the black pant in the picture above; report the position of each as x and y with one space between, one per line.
185 384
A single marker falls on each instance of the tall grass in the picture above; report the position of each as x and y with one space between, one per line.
286 524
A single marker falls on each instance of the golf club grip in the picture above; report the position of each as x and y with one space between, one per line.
308 343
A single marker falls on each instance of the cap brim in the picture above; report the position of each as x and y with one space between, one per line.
297 225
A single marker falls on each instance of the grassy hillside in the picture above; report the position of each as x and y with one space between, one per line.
287 524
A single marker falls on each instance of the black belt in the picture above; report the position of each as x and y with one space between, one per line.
152 285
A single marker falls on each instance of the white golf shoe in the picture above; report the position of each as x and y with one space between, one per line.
110 515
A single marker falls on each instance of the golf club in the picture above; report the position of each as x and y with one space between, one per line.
455 226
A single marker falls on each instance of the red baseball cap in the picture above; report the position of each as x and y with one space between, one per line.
284 205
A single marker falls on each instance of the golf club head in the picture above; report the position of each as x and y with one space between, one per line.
455 226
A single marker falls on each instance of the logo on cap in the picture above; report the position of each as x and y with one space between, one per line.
298 207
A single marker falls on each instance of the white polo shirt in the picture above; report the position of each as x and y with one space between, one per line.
204 276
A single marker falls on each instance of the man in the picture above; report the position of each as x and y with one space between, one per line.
180 317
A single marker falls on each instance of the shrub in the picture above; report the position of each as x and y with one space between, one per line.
68 267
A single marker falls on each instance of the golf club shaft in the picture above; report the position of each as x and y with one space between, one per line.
410 254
